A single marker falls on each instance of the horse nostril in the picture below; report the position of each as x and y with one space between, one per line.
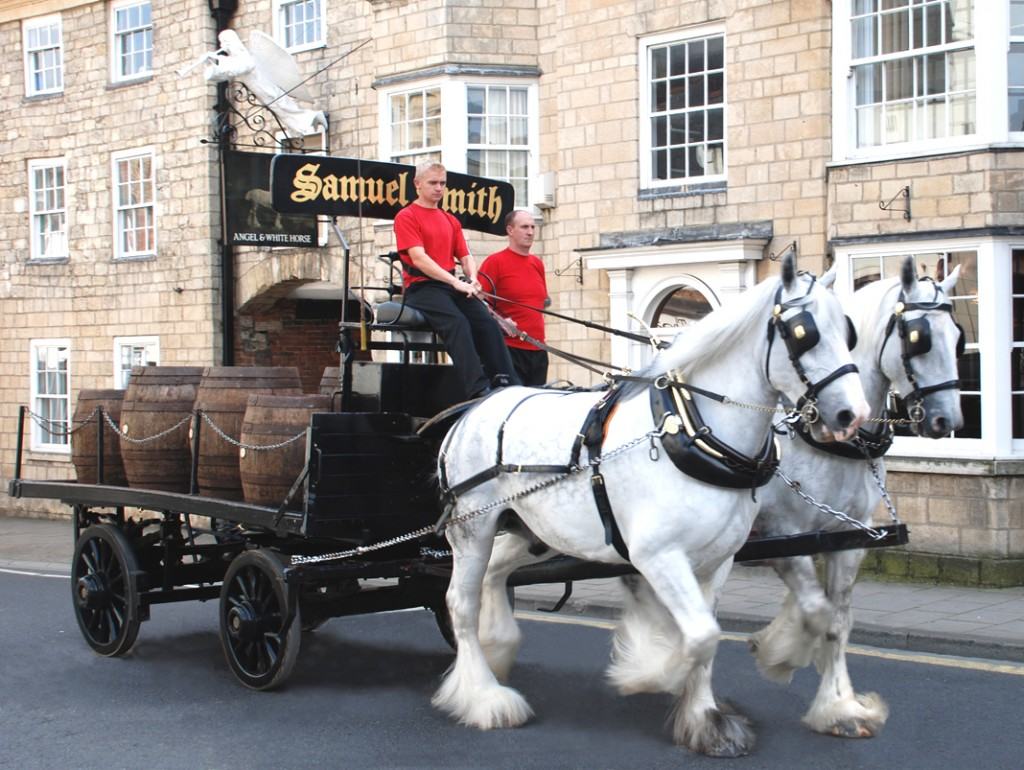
844 418
940 426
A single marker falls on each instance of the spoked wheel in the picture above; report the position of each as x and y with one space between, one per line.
104 591
260 640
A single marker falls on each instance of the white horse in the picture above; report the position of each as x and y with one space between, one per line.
908 342
680 533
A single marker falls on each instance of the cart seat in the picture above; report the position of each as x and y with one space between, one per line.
400 316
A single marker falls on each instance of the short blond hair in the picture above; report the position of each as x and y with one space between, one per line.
428 165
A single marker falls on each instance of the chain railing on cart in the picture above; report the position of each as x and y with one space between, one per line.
47 425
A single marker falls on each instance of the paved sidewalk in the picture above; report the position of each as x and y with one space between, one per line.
975 622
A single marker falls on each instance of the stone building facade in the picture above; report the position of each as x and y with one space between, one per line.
666 149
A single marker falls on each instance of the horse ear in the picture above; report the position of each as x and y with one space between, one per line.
788 270
908 275
829 279
948 284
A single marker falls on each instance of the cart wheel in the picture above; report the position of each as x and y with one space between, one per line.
260 640
103 590
444 622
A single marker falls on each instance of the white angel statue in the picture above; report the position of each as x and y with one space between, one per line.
270 74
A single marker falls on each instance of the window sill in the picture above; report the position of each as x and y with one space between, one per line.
38 454
682 191
44 97
114 85
48 261
923 153
136 258
955 466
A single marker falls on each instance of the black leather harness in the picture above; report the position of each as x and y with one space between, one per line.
688 440
694 448
864 445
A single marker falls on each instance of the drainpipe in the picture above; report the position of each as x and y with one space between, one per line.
222 12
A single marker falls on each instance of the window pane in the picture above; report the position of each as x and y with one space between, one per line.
518 131
715 125
895 32
658 96
695 86
1017 287
868 78
677 94
659 59
476 131
677 129
677 60
716 53
677 163
865 270
865 42
433 97
660 164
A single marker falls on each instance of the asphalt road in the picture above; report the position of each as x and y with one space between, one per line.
360 698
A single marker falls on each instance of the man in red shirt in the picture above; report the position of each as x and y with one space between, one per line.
430 241
516 274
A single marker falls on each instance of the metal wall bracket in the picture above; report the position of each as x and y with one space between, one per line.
789 247
576 264
888 205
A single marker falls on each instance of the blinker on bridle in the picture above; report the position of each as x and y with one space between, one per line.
916 340
800 333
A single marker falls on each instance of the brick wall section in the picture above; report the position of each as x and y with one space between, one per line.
91 298
275 337
952 192
778 118
961 515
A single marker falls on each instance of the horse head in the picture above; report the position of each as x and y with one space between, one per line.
919 351
814 368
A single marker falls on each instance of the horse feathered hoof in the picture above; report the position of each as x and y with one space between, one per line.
721 732
862 716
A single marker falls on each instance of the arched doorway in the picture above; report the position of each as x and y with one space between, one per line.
683 306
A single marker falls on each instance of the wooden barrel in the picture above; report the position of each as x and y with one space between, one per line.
268 474
87 423
331 381
158 398
222 396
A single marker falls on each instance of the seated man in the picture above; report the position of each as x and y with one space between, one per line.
429 241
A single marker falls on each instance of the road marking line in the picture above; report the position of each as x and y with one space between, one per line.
33 574
949 661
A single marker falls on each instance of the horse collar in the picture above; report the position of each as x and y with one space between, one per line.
695 450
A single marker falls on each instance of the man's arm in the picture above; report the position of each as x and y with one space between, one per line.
426 265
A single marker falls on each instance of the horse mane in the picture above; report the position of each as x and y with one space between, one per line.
745 315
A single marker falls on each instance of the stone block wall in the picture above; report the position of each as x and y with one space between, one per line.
91 297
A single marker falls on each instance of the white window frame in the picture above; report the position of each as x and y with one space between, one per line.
34 24
995 334
115 158
115 40
57 247
36 442
1014 37
991 46
454 124
279 11
151 343
647 179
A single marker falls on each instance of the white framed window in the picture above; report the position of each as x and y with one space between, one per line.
50 378
134 193
48 208
682 108
414 120
131 39
133 351
498 135
44 55
299 24
913 77
989 303
483 127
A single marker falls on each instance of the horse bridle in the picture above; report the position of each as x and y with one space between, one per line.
800 333
916 340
